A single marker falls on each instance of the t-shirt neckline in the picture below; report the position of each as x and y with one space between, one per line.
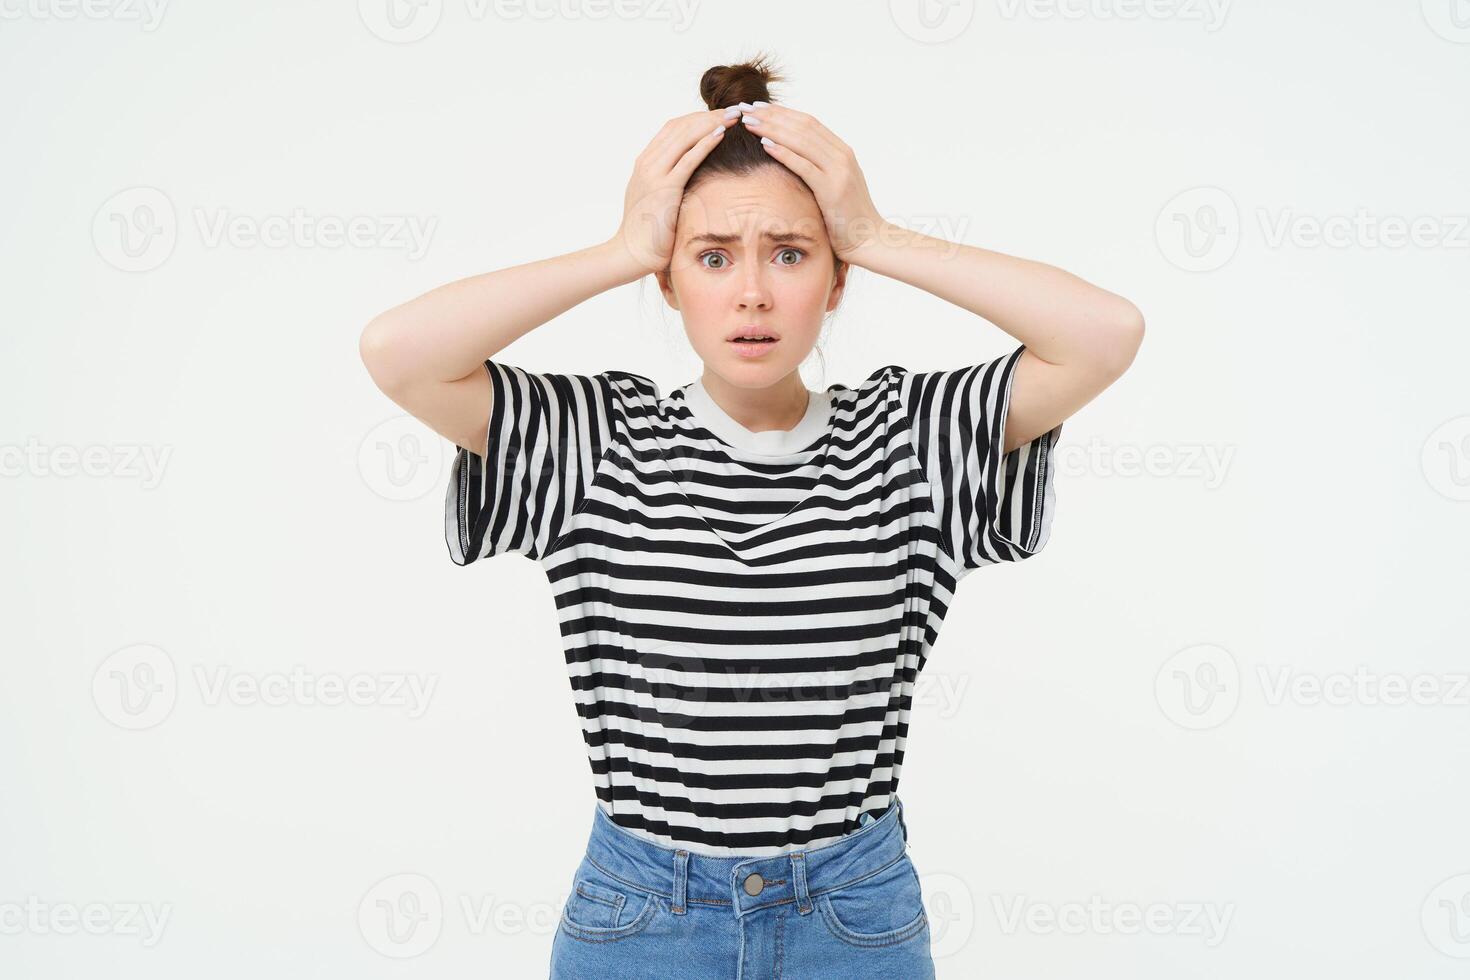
773 442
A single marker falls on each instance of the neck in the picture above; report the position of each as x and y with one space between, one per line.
781 406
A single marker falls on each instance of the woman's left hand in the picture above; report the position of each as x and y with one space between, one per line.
828 166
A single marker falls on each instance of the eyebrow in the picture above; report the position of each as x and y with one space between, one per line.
709 238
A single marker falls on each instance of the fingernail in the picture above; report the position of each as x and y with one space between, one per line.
760 103
749 119
768 141
716 130
743 105
732 112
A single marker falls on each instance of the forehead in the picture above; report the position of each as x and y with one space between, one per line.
764 204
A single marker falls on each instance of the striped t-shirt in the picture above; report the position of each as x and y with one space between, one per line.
744 614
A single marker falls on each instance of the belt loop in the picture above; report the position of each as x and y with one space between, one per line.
798 877
681 880
901 824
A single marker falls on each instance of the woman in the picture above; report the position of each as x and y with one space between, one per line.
749 575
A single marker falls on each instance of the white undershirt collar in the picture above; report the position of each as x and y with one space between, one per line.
773 442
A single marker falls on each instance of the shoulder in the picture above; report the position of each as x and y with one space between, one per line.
880 377
630 387
866 396
966 378
890 378
633 401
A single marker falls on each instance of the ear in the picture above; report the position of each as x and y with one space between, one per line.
839 285
665 286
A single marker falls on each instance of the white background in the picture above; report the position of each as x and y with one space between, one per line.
1102 723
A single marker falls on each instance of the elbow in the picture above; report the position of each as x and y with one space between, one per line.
378 348
1125 337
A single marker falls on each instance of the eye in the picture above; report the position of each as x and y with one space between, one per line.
715 255
794 251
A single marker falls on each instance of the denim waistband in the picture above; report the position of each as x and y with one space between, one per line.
686 877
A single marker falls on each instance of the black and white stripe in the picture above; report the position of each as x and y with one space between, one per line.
743 614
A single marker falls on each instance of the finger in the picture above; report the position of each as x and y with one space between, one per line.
786 121
799 164
797 136
657 145
681 134
825 134
696 153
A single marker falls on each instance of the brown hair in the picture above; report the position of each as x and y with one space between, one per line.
739 151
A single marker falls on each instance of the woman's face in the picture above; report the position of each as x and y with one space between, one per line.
751 255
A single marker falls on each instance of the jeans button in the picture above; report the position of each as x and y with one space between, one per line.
754 884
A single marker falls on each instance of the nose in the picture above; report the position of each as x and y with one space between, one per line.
753 291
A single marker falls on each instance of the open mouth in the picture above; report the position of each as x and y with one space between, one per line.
754 345
752 339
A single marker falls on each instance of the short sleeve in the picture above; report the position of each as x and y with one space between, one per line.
991 507
546 434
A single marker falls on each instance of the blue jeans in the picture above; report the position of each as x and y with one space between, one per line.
851 909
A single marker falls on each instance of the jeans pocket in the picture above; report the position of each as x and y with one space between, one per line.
884 908
601 908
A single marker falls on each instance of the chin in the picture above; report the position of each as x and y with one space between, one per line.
754 374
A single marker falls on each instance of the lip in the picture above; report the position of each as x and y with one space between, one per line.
754 329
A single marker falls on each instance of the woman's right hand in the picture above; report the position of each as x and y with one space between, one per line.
651 203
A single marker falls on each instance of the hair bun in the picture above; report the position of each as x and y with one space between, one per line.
726 85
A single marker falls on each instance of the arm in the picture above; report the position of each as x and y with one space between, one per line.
1079 338
428 354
